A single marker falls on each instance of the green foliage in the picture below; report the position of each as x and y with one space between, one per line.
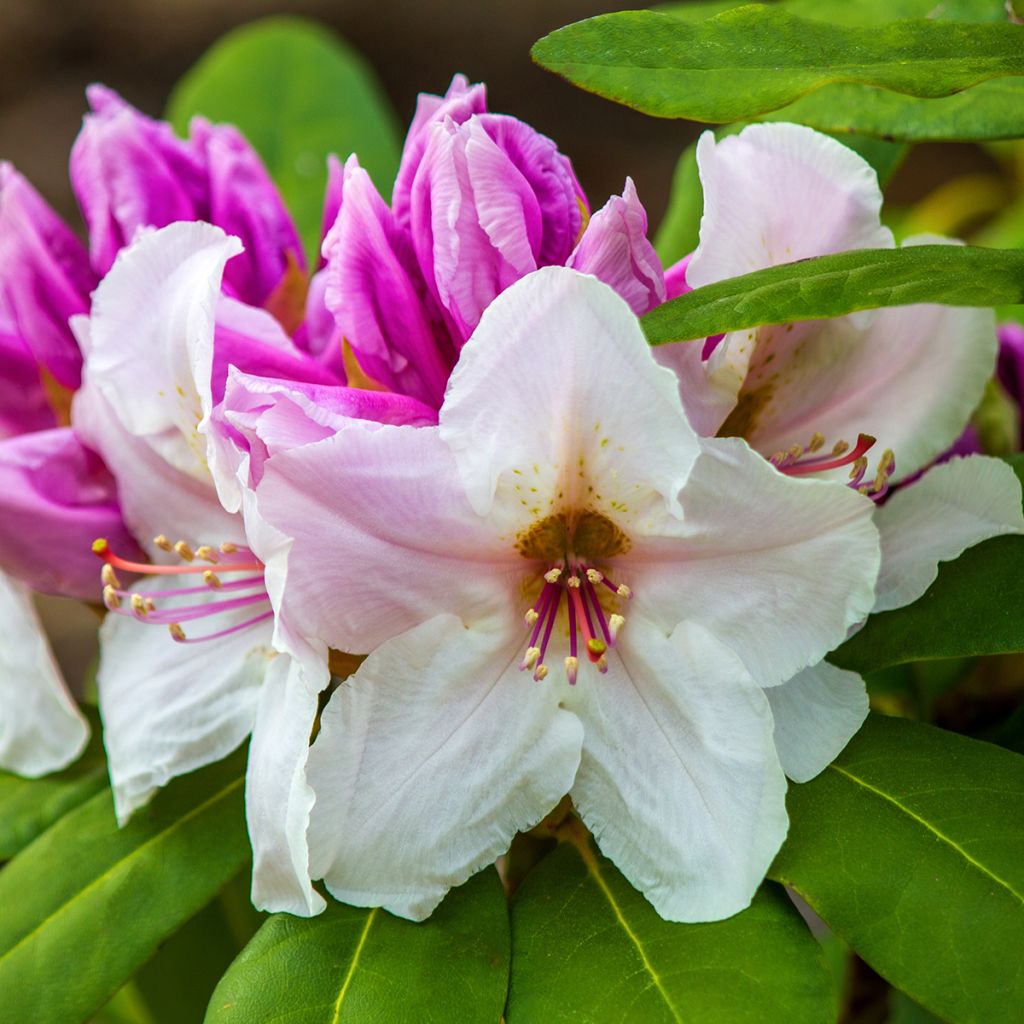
30 806
909 847
298 93
831 286
756 59
974 607
588 948
105 898
856 12
350 966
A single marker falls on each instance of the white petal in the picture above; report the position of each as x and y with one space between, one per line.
169 708
151 332
429 760
557 389
277 797
816 714
41 728
679 780
777 568
951 508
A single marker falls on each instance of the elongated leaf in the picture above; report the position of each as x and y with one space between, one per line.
974 607
756 59
857 12
831 286
107 897
30 806
588 948
909 846
298 92
353 966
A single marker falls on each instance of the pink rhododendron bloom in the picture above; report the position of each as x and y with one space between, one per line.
480 200
563 589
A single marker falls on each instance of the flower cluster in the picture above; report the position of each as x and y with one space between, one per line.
566 563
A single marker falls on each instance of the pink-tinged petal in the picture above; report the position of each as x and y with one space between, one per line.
951 508
429 760
614 248
278 800
911 379
557 391
708 398
675 279
170 708
1011 361
378 298
776 568
44 277
816 714
129 171
775 193
460 103
150 340
679 781
319 334
56 498
475 223
243 200
41 728
378 518
333 195
24 406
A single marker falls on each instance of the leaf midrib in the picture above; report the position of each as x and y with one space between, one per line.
931 828
350 973
158 836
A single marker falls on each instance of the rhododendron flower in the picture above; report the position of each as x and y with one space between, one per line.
562 589
480 200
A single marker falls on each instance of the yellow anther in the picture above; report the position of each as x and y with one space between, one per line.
531 617
540 673
184 552
149 604
574 582
162 543
553 575
531 656
177 632
615 623
227 548
623 591
138 605
602 664
211 579
207 554
840 447
795 451
109 577
572 666
594 576
817 442
111 598
858 467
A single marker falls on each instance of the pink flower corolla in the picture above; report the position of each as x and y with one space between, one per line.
480 201
563 589
189 662
814 397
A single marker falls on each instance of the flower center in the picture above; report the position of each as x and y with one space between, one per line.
801 460
248 590
568 543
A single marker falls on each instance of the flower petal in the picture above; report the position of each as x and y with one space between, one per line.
816 713
557 389
429 760
679 780
776 568
277 797
169 708
41 728
951 508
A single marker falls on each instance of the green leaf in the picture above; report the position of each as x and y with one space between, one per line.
350 966
298 93
974 607
756 59
909 846
103 898
30 806
588 948
859 12
829 286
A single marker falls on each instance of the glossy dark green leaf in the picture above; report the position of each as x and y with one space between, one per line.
758 58
588 948
298 92
909 846
831 286
354 966
974 607
30 806
101 898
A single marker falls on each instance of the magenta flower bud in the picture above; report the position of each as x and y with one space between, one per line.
23 402
130 172
56 498
44 278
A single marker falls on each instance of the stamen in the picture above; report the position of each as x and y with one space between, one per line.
111 598
207 554
792 465
817 442
163 543
572 666
102 549
615 623
139 606
184 552
227 548
211 579
598 611
530 617
553 575
179 634
109 577
594 576
541 673
190 613
530 659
